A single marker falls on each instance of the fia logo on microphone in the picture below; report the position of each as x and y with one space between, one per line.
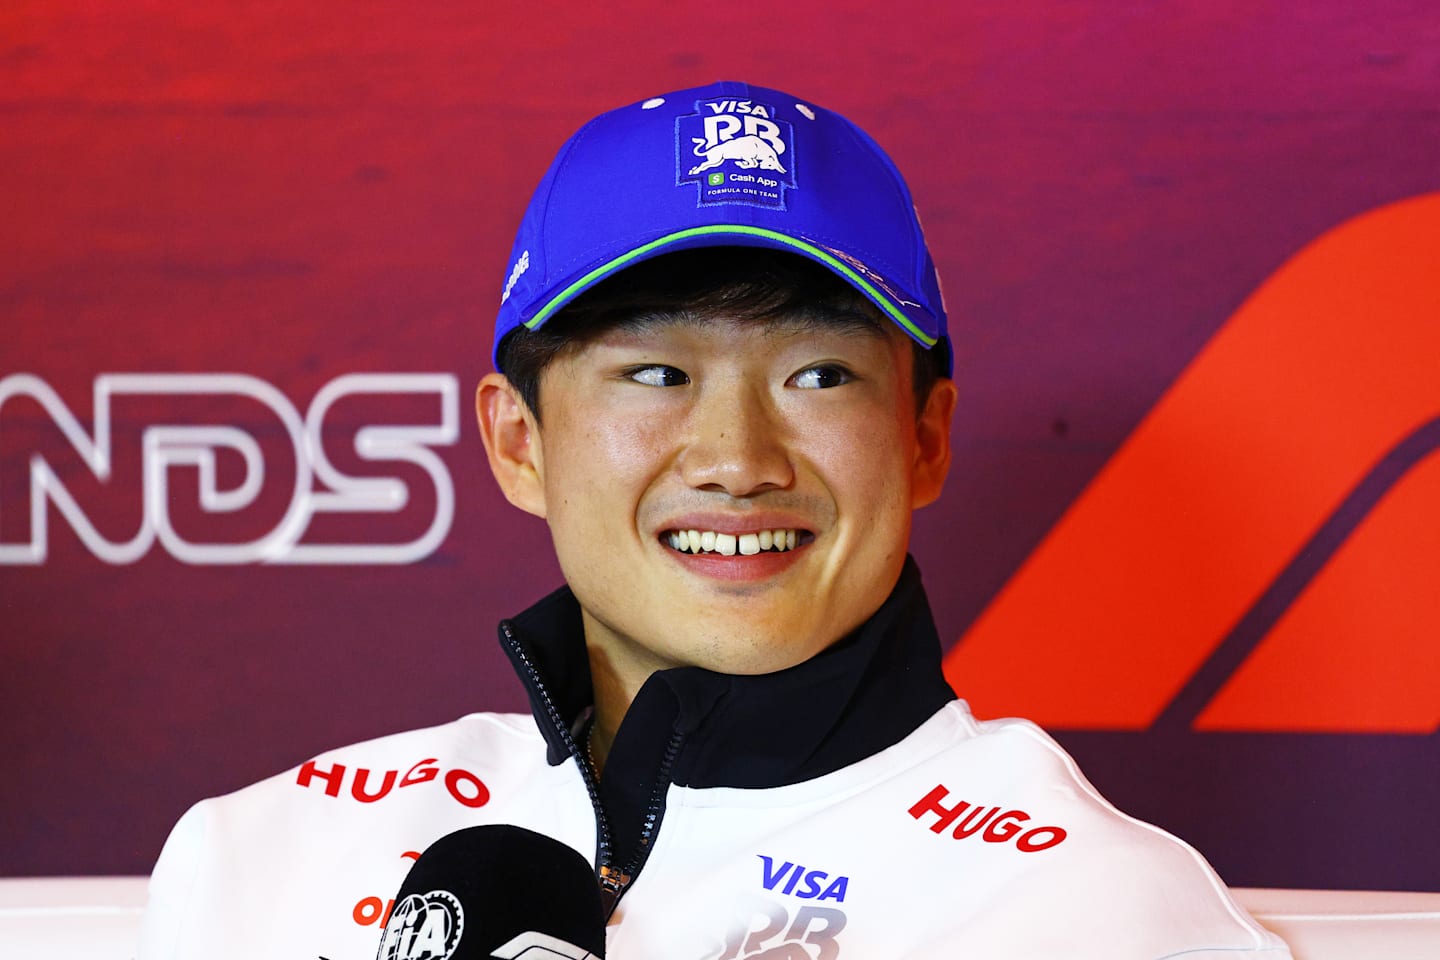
424 927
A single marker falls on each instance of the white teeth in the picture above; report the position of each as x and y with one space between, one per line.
728 544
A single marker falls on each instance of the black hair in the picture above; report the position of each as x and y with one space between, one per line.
744 283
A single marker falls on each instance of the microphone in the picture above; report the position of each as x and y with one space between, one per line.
496 891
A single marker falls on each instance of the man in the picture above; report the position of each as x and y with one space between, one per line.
724 384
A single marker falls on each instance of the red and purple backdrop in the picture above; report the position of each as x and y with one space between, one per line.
249 258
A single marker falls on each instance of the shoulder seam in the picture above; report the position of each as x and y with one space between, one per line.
1263 940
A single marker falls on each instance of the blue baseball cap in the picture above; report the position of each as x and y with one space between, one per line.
723 165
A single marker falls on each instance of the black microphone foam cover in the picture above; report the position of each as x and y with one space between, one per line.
496 891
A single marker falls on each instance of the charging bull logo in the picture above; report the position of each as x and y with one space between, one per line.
737 151
748 152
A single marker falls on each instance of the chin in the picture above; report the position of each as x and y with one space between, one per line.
753 656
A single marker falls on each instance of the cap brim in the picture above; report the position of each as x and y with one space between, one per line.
913 321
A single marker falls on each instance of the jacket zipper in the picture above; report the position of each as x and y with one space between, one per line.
613 881
654 812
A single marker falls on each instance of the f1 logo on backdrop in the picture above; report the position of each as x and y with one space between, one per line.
1263 552
201 446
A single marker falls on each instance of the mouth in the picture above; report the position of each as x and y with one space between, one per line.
780 540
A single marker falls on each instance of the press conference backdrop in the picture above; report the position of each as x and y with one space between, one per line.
249 261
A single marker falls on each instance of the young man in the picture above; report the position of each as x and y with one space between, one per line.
724 384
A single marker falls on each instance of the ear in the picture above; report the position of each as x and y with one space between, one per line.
512 443
932 444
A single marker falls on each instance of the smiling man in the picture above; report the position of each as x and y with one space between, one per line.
724 383
728 461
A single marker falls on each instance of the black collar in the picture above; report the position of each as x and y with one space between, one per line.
857 697
697 728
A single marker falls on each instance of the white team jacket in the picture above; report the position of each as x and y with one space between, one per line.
966 839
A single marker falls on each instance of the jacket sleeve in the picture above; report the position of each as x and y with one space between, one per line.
171 884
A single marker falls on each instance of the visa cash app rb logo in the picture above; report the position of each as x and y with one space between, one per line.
736 151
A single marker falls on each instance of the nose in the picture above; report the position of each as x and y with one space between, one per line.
737 443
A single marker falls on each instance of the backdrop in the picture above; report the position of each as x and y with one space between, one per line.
250 254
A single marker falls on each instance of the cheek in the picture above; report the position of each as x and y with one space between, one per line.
599 465
865 460
597 473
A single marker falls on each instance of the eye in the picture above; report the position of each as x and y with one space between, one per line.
658 375
821 377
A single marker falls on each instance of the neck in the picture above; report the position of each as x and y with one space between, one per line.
618 669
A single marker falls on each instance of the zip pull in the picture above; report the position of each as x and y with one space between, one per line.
612 887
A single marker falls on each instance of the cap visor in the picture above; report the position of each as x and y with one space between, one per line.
730 234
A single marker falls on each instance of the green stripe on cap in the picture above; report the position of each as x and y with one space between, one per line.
809 249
